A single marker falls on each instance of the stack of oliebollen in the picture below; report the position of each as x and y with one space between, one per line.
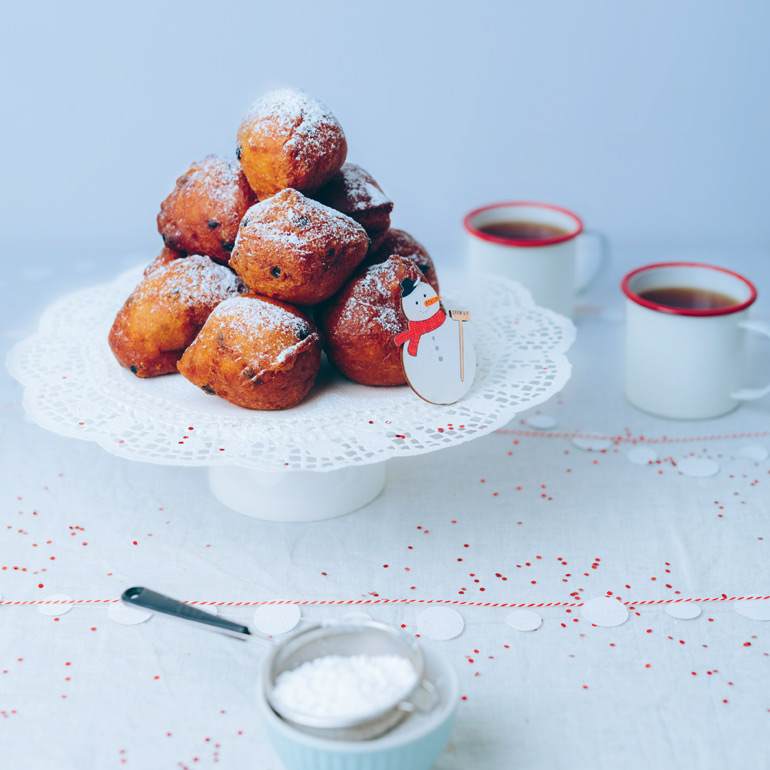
267 260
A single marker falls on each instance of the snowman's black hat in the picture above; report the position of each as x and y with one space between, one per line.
408 286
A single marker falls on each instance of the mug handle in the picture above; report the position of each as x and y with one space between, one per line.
749 394
590 257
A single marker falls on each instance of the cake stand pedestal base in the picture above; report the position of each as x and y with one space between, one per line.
296 495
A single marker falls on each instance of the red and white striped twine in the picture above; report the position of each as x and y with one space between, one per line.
628 439
339 602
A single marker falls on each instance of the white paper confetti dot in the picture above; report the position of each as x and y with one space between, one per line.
754 452
683 610
604 611
440 623
753 609
524 620
127 616
274 619
356 616
597 441
541 421
698 467
642 455
54 610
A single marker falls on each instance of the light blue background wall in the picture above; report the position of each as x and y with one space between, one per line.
650 119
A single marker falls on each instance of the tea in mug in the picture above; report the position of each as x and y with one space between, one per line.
522 231
687 298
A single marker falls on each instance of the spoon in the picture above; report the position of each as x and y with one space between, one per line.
138 596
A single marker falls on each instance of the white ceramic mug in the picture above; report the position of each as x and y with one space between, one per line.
688 363
553 269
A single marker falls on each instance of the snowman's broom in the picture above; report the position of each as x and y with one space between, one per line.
461 315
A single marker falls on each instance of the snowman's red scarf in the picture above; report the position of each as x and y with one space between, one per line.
417 329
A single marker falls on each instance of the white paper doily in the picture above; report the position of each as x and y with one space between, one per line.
75 387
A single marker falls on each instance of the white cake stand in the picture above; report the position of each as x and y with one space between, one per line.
323 458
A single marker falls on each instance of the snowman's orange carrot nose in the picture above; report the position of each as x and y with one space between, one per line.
431 301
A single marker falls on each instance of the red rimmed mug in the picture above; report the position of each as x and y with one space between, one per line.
688 362
555 265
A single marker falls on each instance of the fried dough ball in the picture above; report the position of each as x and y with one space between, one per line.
289 139
297 250
255 352
354 192
360 322
202 214
166 310
401 243
166 256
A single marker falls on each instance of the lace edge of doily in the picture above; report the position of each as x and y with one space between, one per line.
125 451
33 389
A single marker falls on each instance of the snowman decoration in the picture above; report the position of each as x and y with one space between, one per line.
439 361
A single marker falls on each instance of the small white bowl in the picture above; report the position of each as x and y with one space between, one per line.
414 745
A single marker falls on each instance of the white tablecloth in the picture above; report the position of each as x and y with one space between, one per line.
521 517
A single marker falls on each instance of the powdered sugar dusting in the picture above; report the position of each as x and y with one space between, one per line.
287 353
373 297
250 319
376 196
202 213
191 280
353 189
287 110
297 224
249 315
221 182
